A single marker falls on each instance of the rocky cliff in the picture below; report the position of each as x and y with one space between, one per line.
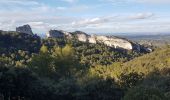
111 41
24 29
58 34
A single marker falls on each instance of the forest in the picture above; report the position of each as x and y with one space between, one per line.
32 68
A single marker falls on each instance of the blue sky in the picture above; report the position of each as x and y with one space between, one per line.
91 16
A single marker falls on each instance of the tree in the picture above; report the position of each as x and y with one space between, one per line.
144 93
16 83
130 80
42 64
43 49
65 61
99 89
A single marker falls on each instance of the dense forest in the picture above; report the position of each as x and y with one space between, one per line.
32 68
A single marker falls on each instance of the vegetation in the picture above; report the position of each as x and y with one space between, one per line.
48 69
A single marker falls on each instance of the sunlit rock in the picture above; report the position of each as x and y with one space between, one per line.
110 41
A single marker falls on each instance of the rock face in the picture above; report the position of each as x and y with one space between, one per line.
24 29
55 33
115 42
111 41
81 36
58 34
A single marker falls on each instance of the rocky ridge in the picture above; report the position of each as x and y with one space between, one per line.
111 41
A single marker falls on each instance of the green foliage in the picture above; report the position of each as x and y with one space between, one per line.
142 93
99 89
93 54
44 49
48 69
16 83
130 80
42 65
147 63
62 62
11 41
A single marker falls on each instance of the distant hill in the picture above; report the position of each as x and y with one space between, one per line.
159 40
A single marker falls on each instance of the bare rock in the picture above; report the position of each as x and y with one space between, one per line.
110 41
24 29
58 34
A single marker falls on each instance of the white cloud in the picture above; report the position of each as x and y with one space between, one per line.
43 17
138 1
43 23
70 1
86 22
142 16
18 2
112 19
153 1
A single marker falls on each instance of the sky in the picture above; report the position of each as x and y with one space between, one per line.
91 16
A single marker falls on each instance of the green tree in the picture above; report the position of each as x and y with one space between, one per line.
42 64
99 89
130 80
144 93
65 61
43 49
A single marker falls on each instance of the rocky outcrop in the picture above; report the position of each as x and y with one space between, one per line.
58 34
24 29
115 42
92 39
81 36
111 41
55 34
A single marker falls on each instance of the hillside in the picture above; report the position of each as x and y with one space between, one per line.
69 69
93 54
14 45
146 76
158 59
11 41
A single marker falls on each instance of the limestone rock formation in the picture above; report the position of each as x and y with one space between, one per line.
58 34
81 36
92 39
115 42
55 34
24 29
111 41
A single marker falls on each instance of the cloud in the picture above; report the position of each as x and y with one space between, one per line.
141 16
70 1
43 23
153 1
112 19
86 22
19 2
138 1
71 17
